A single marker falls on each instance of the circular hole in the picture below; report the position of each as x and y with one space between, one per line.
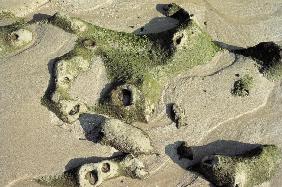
126 97
106 167
92 177
75 110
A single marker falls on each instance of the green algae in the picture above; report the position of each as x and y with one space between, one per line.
245 170
141 61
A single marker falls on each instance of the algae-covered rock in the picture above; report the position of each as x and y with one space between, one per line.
124 102
20 37
14 37
59 101
67 23
125 137
243 86
268 55
246 170
94 174
142 63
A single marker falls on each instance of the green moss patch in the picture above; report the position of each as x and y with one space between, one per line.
245 170
144 62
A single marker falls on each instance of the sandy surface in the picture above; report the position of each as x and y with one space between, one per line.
34 142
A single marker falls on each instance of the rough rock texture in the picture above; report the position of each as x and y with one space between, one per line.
178 115
125 138
243 86
70 24
91 175
246 170
21 37
58 100
14 37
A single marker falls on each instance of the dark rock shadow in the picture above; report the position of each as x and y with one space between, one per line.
170 114
197 153
228 47
91 125
39 17
51 86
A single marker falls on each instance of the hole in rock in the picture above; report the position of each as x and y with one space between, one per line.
75 110
106 167
14 36
126 97
208 161
89 43
92 177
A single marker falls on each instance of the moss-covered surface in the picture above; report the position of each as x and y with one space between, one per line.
7 38
246 170
243 86
146 62
268 55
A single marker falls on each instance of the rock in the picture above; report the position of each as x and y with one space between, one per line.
68 69
20 37
243 86
91 175
125 138
268 54
178 115
245 170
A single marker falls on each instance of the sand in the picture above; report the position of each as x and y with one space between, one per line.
34 142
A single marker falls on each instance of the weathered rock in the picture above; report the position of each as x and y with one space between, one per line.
125 138
246 170
91 175
20 37
243 86
178 115
268 54
66 70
